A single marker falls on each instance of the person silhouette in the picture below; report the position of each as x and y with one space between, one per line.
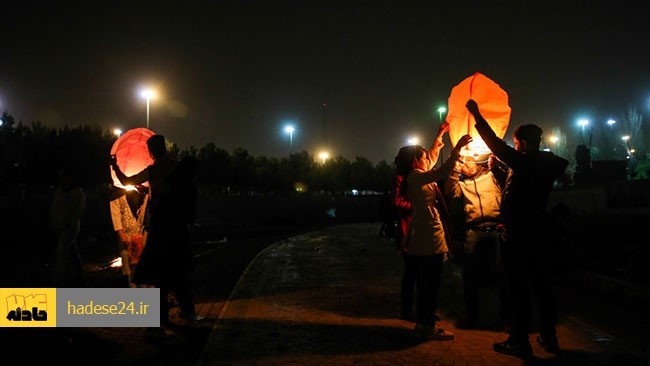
66 210
526 251
427 238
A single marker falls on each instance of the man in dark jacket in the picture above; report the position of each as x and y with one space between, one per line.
526 250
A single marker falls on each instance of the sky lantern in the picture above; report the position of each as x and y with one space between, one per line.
131 152
493 104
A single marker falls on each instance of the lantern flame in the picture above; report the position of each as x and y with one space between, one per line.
116 263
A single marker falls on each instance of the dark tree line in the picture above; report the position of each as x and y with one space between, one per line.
33 154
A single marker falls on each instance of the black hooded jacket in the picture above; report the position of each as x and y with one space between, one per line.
529 182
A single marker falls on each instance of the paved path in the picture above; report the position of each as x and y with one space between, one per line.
331 297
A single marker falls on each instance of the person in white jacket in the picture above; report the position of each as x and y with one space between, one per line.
480 190
426 238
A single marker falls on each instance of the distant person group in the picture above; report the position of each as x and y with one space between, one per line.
505 225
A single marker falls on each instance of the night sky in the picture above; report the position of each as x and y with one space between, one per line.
233 72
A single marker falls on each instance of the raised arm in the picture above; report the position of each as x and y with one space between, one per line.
139 178
434 175
505 153
499 170
437 145
451 187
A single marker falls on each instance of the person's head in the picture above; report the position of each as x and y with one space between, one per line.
411 157
527 138
469 168
156 146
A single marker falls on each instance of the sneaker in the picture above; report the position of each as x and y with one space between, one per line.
548 343
427 332
516 349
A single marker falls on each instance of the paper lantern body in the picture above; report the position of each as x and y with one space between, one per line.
131 152
493 104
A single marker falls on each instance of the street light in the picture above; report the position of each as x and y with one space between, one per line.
289 129
412 140
625 139
148 94
117 132
441 110
611 122
553 139
583 123
324 155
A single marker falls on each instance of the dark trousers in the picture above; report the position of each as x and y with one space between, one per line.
429 276
483 245
527 268
409 281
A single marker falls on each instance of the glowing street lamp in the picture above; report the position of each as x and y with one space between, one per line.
553 139
441 110
289 129
583 123
148 94
324 155
625 138
412 140
117 132
611 122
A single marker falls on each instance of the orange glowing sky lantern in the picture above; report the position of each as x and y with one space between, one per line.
493 104
131 152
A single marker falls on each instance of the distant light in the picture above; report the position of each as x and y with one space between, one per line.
632 151
1 122
547 149
625 138
117 132
413 141
442 110
324 155
611 122
553 139
289 129
583 123
355 192
148 93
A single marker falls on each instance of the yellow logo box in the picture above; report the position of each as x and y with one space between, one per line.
27 307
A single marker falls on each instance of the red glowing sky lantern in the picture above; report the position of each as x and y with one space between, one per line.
131 152
493 103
